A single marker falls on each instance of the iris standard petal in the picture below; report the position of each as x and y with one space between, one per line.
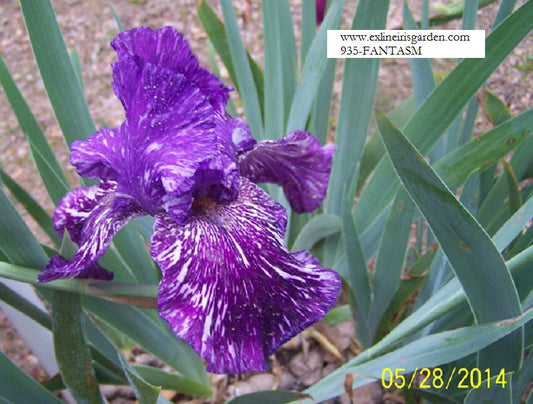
170 146
168 48
92 216
296 162
158 100
99 156
230 288
161 107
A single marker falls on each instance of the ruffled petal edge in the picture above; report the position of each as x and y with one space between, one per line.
296 162
230 288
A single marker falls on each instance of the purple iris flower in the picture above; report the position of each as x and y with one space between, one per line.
320 9
230 287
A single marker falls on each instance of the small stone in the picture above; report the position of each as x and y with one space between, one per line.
264 381
146 359
125 392
287 381
329 368
339 335
307 369
239 388
368 394
109 392
300 364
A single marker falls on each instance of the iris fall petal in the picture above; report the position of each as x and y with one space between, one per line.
230 288
92 216
56 270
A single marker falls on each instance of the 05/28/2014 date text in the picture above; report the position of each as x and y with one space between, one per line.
435 378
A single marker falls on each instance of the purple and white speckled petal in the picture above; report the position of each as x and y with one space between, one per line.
162 108
168 48
55 270
98 156
92 216
170 146
297 162
158 100
75 207
230 288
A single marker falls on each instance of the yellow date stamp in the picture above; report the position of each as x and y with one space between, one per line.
435 378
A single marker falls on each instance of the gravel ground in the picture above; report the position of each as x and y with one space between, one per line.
88 26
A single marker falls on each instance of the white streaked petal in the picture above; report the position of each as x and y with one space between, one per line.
230 288
92 216
296 162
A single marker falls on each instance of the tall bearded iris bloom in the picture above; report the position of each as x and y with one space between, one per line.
230 287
